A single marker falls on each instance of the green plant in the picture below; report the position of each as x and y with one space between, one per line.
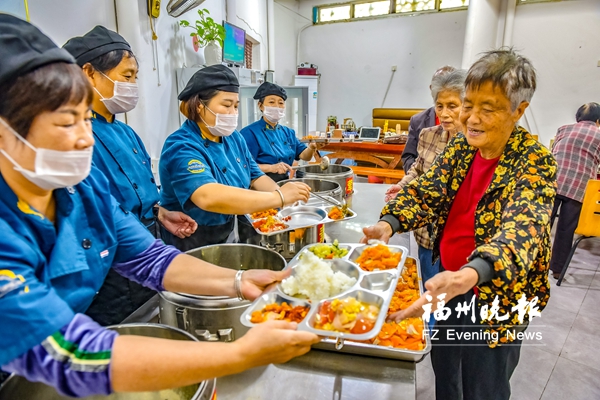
206 29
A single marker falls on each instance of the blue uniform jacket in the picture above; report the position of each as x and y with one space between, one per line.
270 145
189 161
120 154
49 272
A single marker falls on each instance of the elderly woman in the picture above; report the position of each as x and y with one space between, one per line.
489 196
448 91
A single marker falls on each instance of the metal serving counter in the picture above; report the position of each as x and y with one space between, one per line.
321 375
324 375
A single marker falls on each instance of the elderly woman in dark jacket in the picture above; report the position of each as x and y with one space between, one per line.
489 196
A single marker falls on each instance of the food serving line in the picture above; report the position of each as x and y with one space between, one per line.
319 374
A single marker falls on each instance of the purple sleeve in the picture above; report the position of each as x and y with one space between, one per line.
148 268
75 360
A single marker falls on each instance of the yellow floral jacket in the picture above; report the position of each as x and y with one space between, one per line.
512 219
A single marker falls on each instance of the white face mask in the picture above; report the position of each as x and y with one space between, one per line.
274 114
125 97
225 124
54 169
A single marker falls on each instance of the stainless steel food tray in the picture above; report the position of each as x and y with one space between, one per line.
380 351
376 288
304 216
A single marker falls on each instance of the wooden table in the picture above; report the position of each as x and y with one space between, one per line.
369 152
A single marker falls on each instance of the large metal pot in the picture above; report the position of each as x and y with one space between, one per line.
217 318
323 187
338 173
17 387
289 243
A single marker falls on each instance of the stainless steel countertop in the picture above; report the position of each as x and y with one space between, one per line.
329 375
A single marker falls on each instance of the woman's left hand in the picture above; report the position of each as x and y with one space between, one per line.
178 223
256 281
451 283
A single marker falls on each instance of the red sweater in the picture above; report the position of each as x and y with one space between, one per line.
458 238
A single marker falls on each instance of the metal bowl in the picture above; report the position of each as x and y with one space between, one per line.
324 187
303 216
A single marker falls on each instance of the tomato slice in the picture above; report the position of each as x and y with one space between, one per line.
326 313
362 326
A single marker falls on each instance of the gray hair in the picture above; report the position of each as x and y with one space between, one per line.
452 82
511 72
440 72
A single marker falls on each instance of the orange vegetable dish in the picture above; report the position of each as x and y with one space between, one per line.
280 312
378 258
263 214
269 224
336 213
408 333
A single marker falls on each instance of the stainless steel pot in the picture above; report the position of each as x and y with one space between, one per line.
338 173
217 318
323 187
17 387
288 244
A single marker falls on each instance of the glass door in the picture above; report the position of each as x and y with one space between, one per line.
296 109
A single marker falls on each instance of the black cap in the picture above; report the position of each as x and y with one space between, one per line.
217 77
23 48
268 89
95 43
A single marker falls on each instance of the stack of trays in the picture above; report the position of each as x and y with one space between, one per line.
373 288
300 216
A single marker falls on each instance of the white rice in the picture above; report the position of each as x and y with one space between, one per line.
315 279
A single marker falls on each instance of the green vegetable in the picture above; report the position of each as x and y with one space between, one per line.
328 251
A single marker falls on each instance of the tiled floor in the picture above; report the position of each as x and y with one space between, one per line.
567 363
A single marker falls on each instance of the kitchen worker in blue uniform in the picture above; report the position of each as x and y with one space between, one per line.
206 169
273 146
111 67
62 231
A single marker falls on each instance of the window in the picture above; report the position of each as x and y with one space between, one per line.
248 45
334 13
408 6
362 9
372 8
447 4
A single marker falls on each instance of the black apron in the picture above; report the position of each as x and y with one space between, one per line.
277 177
204 236
119 297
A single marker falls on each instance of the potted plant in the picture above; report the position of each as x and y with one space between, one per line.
208 34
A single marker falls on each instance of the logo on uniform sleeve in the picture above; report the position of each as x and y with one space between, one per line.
9 281
196 166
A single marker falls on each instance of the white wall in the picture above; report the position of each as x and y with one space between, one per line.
561 39
157 114
355 61
355 58
288 23
251 15
63 19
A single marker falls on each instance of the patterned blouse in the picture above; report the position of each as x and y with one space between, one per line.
512 221
432 142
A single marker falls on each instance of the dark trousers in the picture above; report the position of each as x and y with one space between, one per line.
565 229
470 369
